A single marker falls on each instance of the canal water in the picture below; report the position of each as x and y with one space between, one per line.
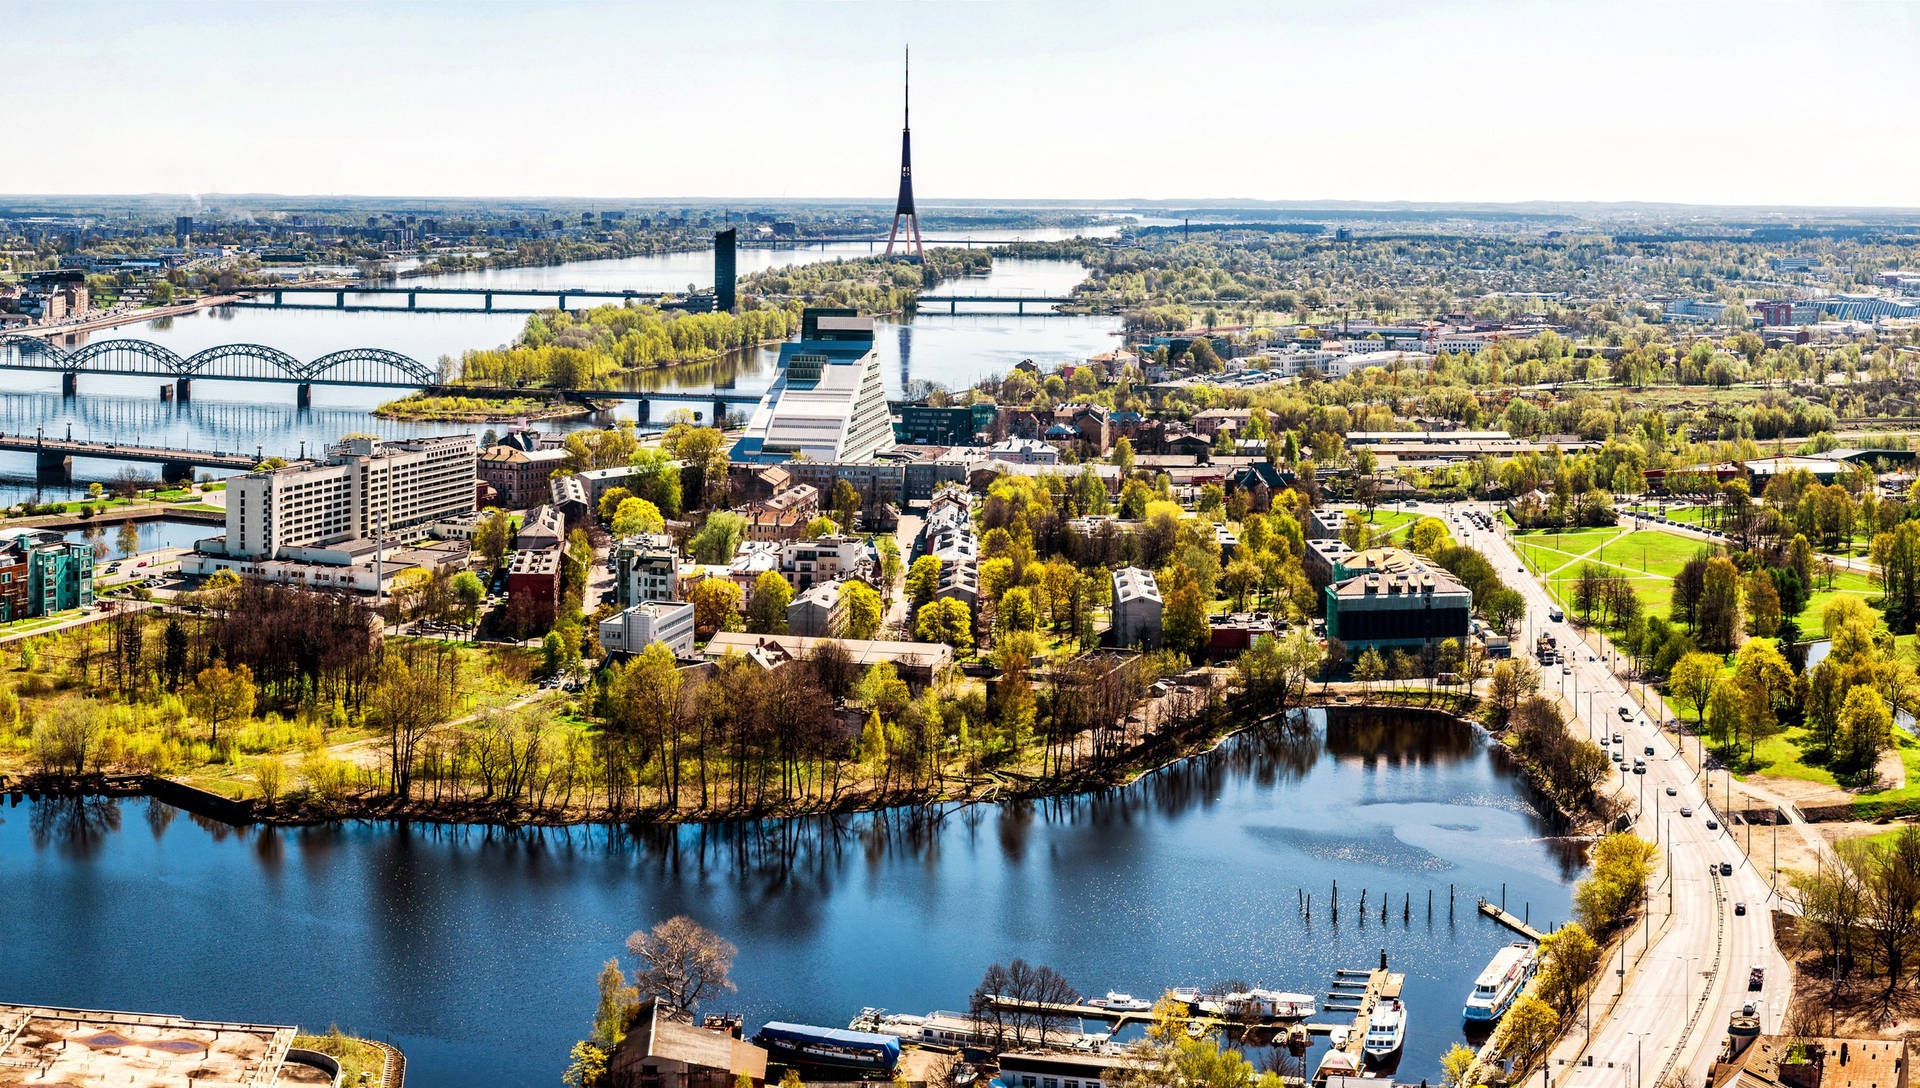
949 350
475 949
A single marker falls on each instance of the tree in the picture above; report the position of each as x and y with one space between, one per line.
493 537
1526 1029
1183 624
470 592
610 502
846 502
1692 682
685 962
128 538
68 734
1015 611
719 538
173 658
1865 728
1568 957
1763 604
1370 669
1621 864
219 694
819 527
1122 455
923 581
636 516
716 605
1427 535
947 620
1457 1066
410 698
1719 607
865 609
767 611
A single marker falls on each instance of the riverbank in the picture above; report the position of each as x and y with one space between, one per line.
1206 734
422 408
130 317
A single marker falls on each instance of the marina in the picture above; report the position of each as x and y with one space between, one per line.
1500 983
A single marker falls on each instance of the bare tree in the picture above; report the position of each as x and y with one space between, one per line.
685 962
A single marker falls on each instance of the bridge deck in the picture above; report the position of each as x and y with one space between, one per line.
114 451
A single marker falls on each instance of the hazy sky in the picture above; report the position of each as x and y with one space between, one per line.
1736 103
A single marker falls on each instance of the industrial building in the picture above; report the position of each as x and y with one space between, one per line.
1392 599
1136 608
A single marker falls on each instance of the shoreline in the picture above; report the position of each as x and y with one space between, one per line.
246 812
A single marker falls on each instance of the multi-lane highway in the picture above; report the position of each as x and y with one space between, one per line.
1708 930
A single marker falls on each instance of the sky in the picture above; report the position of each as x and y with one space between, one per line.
1751 102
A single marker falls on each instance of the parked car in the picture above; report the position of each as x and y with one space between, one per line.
1671 791
1649 749
1685 811
1713 825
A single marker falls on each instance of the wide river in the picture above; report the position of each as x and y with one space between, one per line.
475 949
953 351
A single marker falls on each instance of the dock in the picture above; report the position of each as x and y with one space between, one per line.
1380 985
1119 1019
1500 915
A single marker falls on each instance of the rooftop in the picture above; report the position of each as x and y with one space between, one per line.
91 1049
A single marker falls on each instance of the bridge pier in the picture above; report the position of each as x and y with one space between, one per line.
52 467
176 471
489 301
303 395
413 300
279 297
183 390
70 384
646 411
953 307
1022 311
340 299
166 393
562 297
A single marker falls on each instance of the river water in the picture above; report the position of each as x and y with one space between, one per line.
475 949
953 351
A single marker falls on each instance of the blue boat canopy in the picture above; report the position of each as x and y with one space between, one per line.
807 1033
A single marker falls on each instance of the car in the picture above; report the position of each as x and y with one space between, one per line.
1726 868
1639 768
1685 811
1739 908
1566 670
1625 714
1649 749
1590 657
1617 739
1671 791
1756 978
1713 825
1522 570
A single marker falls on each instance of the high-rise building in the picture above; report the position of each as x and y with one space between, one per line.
828 401
42 572
366 489
723 273
182 230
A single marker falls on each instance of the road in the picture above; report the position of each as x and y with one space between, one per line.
1692 970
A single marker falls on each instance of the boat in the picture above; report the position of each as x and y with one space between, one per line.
1260 1005
1119 1002
1336 1063
1500 982
1386 1030
1186 995
958 1029
806 1044
1196 1028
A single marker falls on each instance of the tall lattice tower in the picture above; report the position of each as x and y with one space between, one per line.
903 208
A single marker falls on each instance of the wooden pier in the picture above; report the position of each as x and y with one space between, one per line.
1380 985
1519 926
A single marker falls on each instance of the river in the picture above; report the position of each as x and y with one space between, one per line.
475 949
953 351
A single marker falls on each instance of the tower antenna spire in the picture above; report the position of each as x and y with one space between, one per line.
903 207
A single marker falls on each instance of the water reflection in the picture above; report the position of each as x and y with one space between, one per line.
76 828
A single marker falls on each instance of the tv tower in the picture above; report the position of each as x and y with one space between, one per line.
903 208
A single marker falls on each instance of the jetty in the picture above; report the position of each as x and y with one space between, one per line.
1499 914
1360 992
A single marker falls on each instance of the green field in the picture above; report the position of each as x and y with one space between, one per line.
1652 557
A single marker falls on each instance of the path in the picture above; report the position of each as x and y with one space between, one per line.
369 751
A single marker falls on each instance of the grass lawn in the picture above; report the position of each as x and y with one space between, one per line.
1784 756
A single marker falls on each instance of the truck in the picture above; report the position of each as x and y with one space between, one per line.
1547 650
1555 614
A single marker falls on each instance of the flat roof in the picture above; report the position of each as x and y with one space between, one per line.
87 1048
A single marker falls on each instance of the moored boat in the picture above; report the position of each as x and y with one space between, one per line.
1499 983
806 1044
1119 1002
1386 1030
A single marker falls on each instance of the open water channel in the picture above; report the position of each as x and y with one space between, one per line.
475 949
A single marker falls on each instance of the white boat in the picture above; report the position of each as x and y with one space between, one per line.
1500 983
1119 1002
1386 1030
1186 995
1335 1063
1260 1005
958 1029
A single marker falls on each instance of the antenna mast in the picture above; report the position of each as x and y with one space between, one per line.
903 207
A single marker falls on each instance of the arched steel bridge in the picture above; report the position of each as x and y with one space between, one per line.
226 362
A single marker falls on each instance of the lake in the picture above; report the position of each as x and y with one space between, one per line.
474 949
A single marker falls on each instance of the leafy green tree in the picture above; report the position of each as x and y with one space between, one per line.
493 537
923 581
865 609
1692 682
719 538
219 694
610 502
636 516
470 592
767 610
945 620
716 606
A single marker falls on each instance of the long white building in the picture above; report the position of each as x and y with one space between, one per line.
368 493
829 401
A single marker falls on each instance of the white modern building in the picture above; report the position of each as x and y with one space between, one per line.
368 496
829 401
668 622
647 568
